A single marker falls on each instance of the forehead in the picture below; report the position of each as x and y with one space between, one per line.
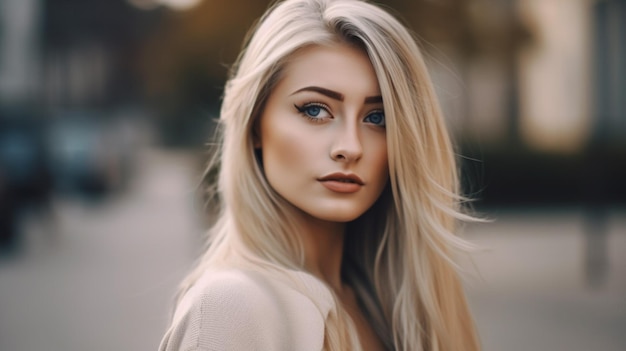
340 67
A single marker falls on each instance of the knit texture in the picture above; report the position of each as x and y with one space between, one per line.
246 310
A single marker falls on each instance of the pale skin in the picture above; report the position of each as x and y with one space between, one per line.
323 141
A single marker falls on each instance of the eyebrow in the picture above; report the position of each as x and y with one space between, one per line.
336 95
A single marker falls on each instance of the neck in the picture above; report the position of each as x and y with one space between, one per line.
323 248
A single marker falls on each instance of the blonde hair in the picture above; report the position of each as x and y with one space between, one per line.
402 266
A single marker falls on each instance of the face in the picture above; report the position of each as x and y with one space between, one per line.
322 134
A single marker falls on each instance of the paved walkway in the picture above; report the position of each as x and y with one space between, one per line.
106 280
533 292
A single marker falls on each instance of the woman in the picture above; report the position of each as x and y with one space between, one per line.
339 196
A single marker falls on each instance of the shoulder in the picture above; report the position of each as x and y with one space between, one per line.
245 310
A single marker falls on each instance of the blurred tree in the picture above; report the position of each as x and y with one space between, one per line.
192 49
184 65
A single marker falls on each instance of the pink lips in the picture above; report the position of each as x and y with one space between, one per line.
342 182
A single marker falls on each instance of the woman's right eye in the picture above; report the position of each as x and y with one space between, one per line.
314 111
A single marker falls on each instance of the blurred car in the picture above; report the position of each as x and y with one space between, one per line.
87 154
25 179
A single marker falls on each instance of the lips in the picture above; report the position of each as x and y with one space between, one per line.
342 182
342 177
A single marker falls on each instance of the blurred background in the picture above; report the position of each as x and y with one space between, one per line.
107 106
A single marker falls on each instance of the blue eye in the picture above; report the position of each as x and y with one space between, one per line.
376 117
314 111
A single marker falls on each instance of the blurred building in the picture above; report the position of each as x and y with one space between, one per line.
20 54
67 54
573 77
609 66
547 74
539 99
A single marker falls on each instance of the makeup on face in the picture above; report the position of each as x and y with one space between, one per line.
322 134
342 182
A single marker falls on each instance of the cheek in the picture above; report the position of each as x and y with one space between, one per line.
284 148
380 173
383 170
379 159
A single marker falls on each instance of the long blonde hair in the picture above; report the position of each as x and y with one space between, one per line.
401 266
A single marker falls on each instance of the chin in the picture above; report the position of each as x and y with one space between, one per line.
336 215
332 210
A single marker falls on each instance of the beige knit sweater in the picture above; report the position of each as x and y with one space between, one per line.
246 310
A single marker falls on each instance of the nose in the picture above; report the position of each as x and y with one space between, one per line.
347 145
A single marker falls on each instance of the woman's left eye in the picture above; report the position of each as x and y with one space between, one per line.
376 117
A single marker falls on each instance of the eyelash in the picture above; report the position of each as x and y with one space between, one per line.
302 110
